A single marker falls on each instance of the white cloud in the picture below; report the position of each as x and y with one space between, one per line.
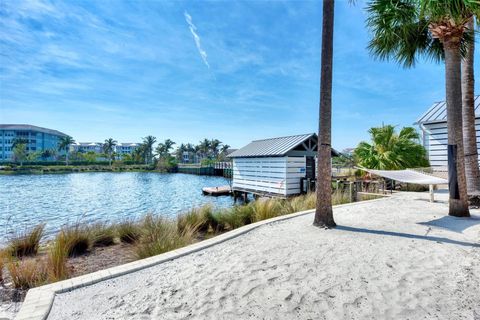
193 29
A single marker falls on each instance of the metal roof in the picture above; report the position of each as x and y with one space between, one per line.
28 127
438 112
273 147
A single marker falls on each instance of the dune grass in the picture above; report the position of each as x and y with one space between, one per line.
57 259
196 219
76 239
2 264
26 244
27 273
101 234
159 235
128 231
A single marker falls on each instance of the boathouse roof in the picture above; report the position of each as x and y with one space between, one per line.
438 112
278 147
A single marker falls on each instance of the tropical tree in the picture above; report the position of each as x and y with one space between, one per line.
323 210
148 143
389 150
180 150
406 29
472 171
204 148
215 147
33 156
19 151
109 149
163 148
64 144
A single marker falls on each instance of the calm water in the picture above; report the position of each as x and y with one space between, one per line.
26 200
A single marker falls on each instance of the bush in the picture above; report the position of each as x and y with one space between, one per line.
128 231
101 235
26 274
159 235
76 239
57 259
28 243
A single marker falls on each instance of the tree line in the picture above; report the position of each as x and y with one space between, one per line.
145 152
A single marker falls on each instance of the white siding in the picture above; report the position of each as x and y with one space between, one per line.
436 141
275 175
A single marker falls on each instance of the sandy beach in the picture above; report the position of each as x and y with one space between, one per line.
397 258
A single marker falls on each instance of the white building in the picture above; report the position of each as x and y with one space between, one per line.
275 167
125 148
433 126
85 147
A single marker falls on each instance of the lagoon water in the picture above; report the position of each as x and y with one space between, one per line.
59 199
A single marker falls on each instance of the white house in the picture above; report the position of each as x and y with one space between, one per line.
274 167
433 126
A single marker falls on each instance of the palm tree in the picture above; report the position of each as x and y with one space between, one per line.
148 142
214 147
391 151
405 29
163 149
468 114
204 148
109 148
20 151
64 144
323 211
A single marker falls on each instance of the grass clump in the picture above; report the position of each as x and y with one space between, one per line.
198 219
340 197
3 259
57 259
28 243
26 274
159 235
266 208
76 240
128 231
234 217
101 235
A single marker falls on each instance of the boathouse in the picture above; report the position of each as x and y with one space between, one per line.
433 126
275 167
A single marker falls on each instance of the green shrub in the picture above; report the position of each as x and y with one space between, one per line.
128 231
101 234
28 243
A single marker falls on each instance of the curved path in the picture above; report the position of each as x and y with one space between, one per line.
397 258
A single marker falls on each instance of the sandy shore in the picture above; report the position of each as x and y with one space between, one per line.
398 258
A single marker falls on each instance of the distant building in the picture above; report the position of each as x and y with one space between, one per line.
84 147
122 149
434 133
39 139
348 151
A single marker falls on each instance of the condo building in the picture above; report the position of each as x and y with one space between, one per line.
37 138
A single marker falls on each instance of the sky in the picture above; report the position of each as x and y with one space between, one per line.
187 70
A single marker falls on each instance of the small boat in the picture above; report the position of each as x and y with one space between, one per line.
217 191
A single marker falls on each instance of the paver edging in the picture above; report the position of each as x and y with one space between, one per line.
39 301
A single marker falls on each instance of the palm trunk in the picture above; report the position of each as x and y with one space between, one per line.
468 111
323 212
66 157
458 202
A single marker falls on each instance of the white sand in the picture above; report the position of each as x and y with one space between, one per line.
399 258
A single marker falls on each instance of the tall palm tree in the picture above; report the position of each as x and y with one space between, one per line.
64 144
323 210
204 148
163 148
109 148
391 151
149 141
406 29
214 147
468 114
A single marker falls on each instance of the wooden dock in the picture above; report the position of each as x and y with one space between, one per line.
217 191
